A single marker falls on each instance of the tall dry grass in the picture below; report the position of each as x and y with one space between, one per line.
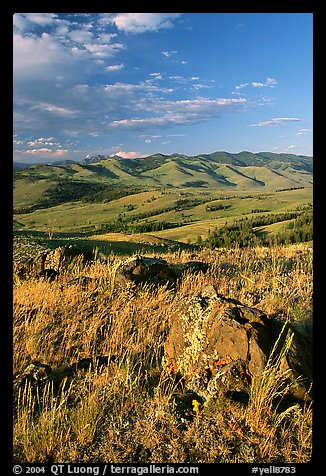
129 410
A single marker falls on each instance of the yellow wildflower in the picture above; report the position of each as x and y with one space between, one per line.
195 406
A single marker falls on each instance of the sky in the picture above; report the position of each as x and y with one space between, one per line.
135 84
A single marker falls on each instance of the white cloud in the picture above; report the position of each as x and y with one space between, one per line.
257 85
156 75
129 155
35 55
302 132
115 67
241 86
80 36
201 86
53 73
47 151
22 21
289 147
106 37
181 112
140 22
37 142
269 83
95 109
103 50
167 54
276 121
52 108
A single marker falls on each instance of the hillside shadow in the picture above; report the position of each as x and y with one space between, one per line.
130 248
105 247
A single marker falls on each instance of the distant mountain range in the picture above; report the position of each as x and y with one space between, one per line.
97 175
219 169
93 159
242 159
20 165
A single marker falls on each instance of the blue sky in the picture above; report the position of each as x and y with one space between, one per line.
134 84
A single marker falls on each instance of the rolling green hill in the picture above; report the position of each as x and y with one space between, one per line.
37 185
175 197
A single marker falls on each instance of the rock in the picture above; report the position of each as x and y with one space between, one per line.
29 267
37 371
143 270
88 363
215 333
233 377
84 281
41 264
49 274
185 404
64 255
194 267
37 374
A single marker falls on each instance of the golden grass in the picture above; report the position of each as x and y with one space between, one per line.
127 411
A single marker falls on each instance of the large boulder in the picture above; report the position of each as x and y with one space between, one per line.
191 267
212 332
38 375
145 270
142 270
48 263
64 255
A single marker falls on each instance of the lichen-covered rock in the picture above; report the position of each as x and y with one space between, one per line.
143 270
63 255
203 339
193 267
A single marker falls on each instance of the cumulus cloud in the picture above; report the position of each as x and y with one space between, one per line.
103 50
82 108
289 148
201 86
242 85
140 22
42 141
268 83
52 108
58 92
181 112
167 54
65 48
23 21
302 132
47 151
79 36
156 75
114 67
271 82
129 155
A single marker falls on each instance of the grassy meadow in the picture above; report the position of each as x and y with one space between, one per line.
127 407
133 410
186 212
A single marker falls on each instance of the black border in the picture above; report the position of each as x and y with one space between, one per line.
6 350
